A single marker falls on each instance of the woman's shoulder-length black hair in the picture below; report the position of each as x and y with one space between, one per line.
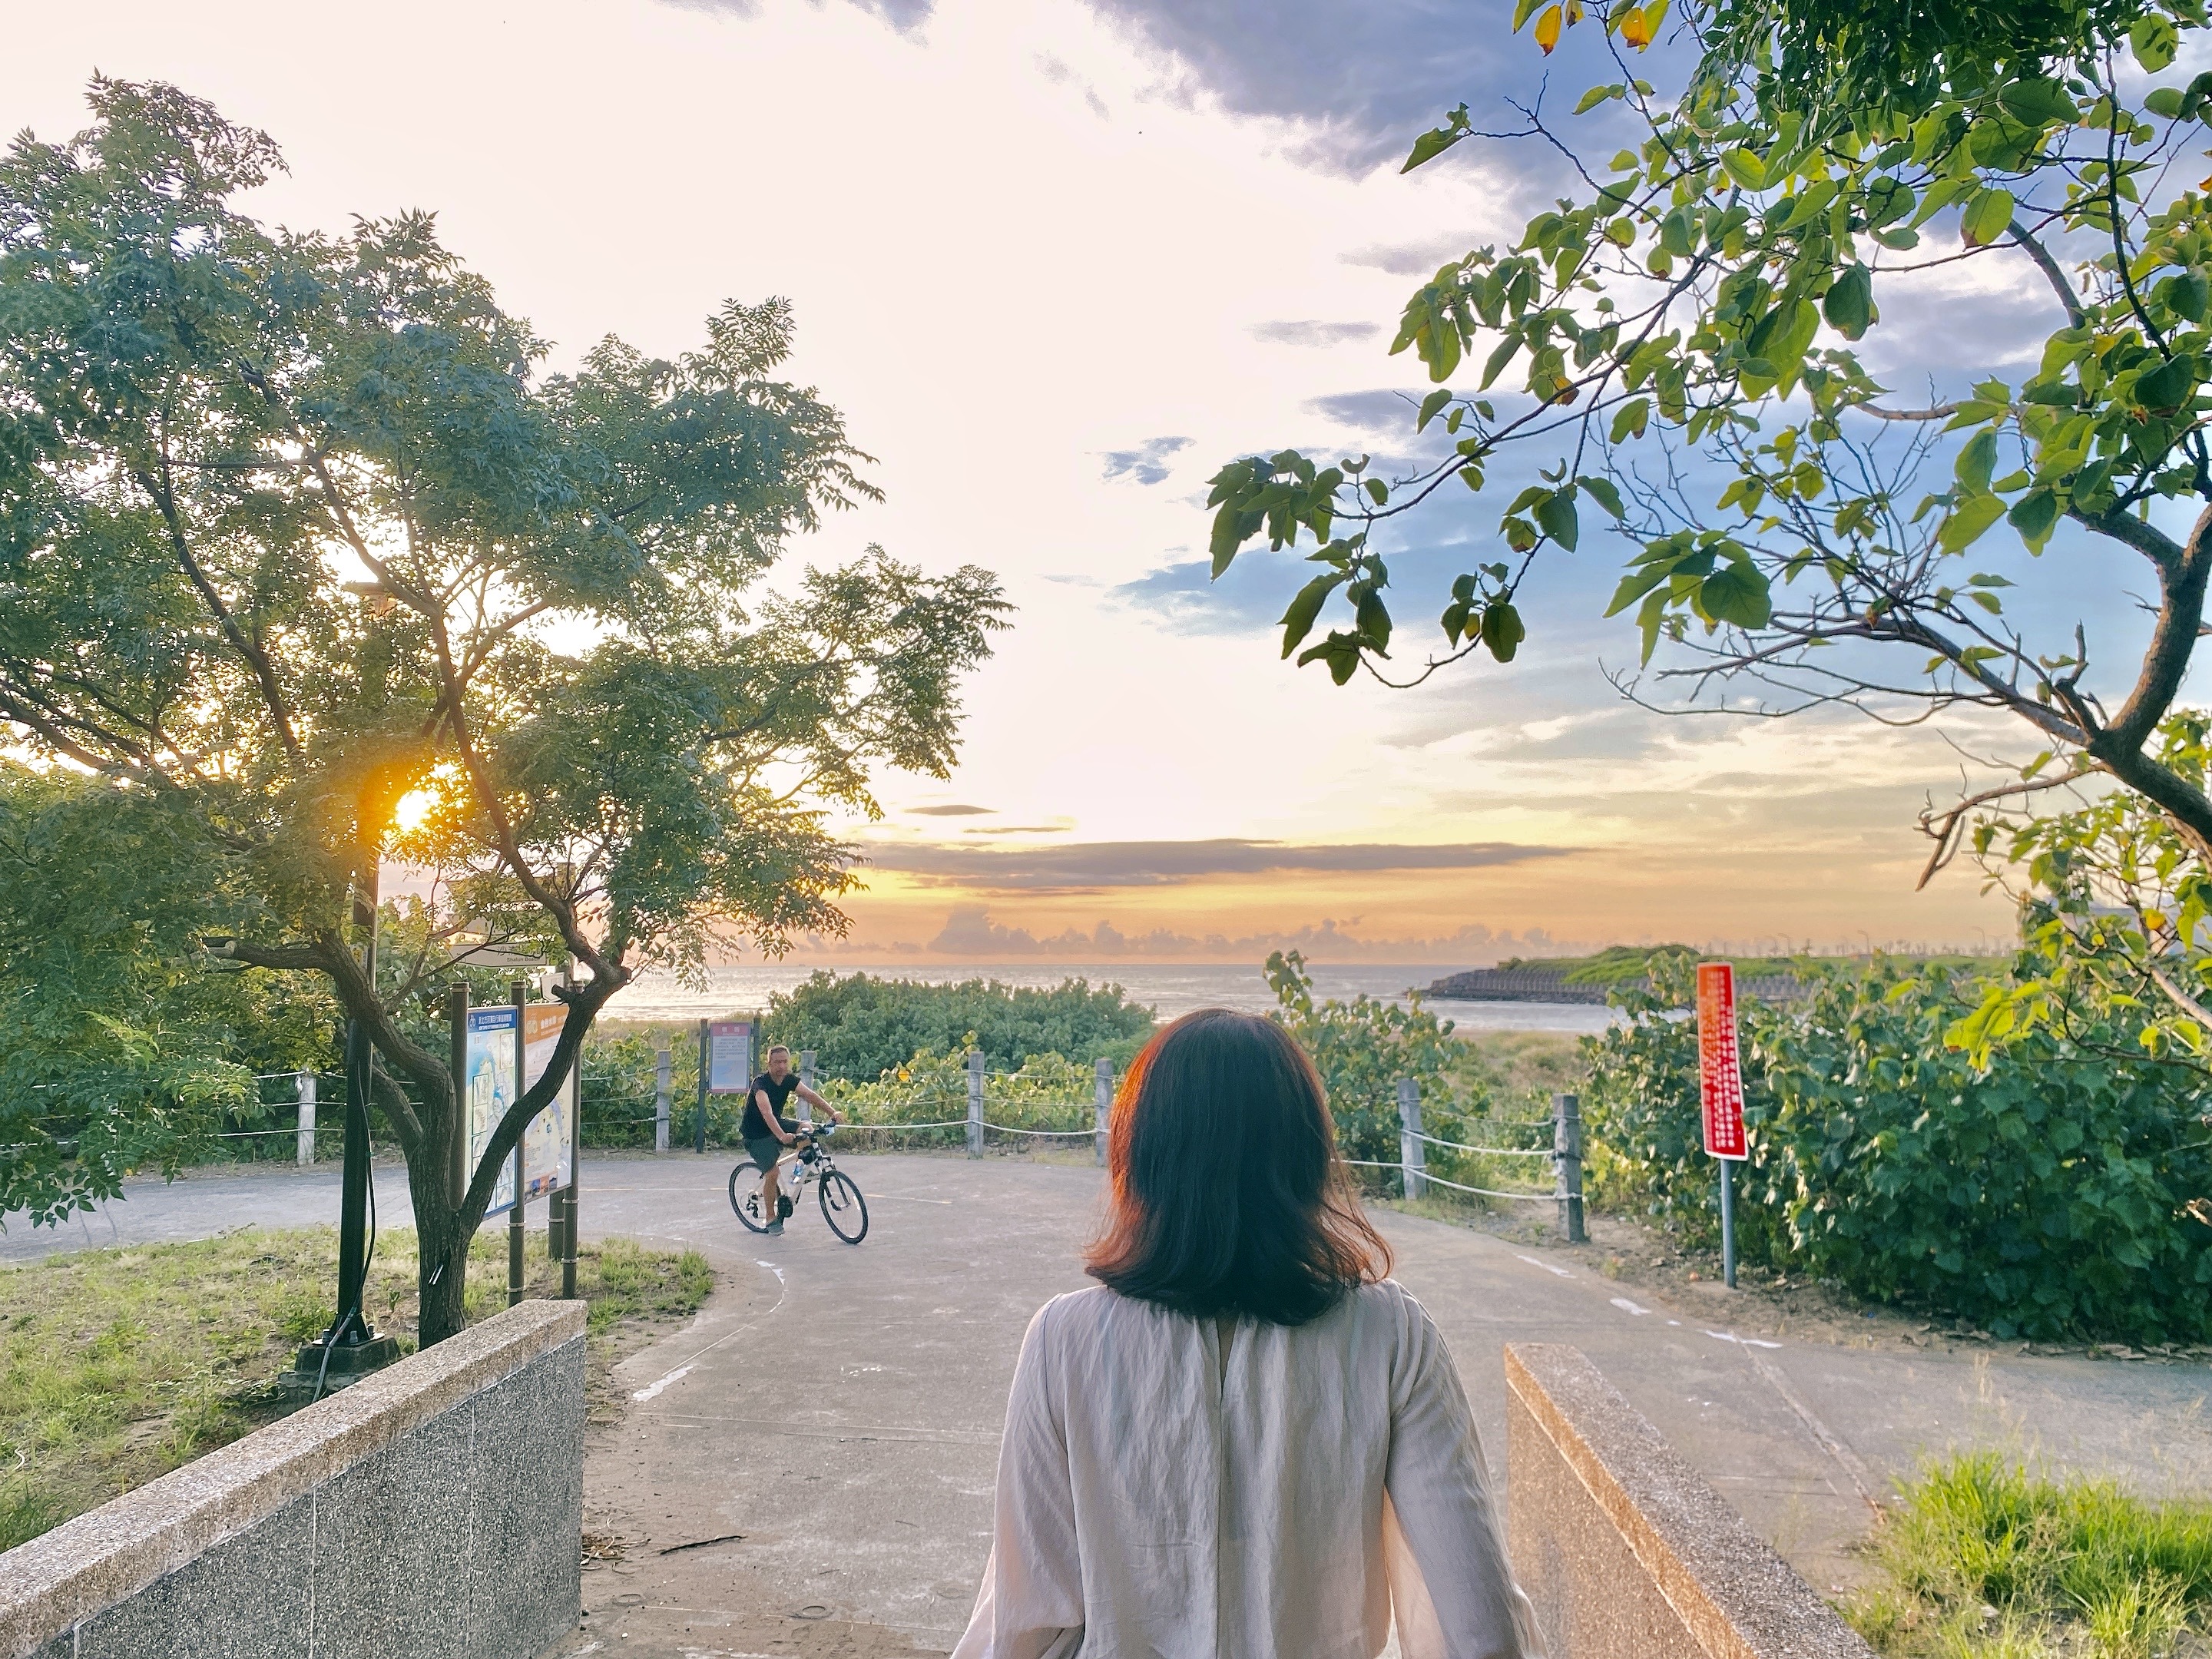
1228 1194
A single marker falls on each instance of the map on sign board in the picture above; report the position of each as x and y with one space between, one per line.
1720 1065
729 1056
490 1089
545 1143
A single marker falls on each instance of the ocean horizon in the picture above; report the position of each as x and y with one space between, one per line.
1170 989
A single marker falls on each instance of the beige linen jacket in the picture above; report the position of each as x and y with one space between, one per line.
1158 1496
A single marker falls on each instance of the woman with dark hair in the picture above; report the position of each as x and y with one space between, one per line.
1246 1439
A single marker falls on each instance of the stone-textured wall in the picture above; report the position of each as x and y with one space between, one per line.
432 1510
1623 1549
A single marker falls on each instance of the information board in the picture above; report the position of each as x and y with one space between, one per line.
729 1056
1720 1065
492 1058
546 1142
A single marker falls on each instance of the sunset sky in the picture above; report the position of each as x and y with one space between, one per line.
1058 260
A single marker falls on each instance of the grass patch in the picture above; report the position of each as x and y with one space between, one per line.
1987 1560
119 1365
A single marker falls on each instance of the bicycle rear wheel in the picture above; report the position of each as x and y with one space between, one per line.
745 1196
843 1207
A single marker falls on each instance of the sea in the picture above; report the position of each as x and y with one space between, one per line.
1169 988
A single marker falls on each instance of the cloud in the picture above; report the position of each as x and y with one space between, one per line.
1420 258
1088 867
969 932
1311 333
1147 463
1185 596
1021 828
952 810
907 16
1059 73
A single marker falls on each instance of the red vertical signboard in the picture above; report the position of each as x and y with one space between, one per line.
1720 1067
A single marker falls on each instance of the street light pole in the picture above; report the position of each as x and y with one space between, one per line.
351 1347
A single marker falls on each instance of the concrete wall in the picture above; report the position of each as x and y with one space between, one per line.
435 1508
1626 1550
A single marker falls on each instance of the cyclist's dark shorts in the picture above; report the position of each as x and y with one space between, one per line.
763 1150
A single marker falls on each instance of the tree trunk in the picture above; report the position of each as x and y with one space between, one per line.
442 1249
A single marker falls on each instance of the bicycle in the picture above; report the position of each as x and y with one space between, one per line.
843 1206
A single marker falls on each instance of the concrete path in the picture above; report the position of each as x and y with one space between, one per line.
838 1408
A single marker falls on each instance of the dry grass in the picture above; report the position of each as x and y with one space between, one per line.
119 1365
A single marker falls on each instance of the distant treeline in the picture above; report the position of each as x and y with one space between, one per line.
859 1026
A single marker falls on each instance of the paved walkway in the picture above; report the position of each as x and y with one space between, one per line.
839 1408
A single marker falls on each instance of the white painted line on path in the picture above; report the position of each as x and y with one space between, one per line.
1745 1341
1628 1307
652 1389
1546 1265
782 1289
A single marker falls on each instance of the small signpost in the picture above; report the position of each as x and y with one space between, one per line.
1720 1091
726 1064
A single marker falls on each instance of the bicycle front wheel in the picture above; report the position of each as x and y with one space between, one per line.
843 1207
745 1196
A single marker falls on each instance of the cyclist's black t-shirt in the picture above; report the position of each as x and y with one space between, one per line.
755 1127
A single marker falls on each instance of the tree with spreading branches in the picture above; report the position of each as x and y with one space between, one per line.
1674 350
307 561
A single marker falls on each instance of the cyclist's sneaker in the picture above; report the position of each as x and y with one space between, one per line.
782 1207
772 1229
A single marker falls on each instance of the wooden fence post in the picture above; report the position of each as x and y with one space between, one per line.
663 1088
304 1082
1412 1150
1567 1158
1105 1106
974 1103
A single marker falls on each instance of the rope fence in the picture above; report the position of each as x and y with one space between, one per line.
604 1093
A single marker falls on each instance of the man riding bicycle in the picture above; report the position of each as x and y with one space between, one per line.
767 1132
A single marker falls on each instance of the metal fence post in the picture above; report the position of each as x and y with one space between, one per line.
305 1081
806 1081
974 1103
1412 1150
1105 1106
518 994
663 1093
1567 1158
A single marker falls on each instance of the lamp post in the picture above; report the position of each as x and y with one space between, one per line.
351 1347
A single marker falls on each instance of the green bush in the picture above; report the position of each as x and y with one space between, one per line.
860 1027
2041 1195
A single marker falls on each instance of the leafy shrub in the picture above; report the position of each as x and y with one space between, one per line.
860 1027
1361 1048
2039 1195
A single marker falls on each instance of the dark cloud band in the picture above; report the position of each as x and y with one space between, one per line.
1093 865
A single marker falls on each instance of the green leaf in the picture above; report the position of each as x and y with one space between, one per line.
1603 493
1556 517
1499 358
1427 148
1849 302
2155 41
2164 101
1305 607
1737 592
1502 632
1630 420
2034 516
1378 492
1967 521
1431 405
1987 216
1976 461
2167 387
1745 169
2038 102
1596 97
